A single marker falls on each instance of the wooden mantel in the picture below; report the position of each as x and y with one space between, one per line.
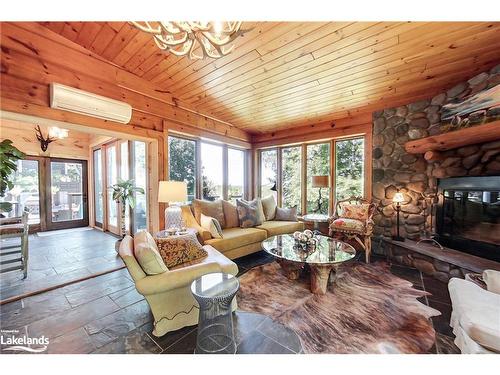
454 139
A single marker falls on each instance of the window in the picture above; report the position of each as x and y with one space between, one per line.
98 188
211 171
349 168
25 192
140 179
268 172
291 162
111 171
182 163
318 164
235 174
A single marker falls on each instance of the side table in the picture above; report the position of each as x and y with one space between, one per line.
214 293
316 220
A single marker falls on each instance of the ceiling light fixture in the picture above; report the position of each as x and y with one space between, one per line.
195 39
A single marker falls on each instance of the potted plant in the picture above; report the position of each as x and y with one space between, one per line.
124 193
9 155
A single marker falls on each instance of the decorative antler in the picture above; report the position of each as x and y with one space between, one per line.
183 38
44 142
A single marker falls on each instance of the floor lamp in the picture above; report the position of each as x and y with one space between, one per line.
398 199
173 193
320 182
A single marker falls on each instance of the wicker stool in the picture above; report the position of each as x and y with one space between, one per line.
214 293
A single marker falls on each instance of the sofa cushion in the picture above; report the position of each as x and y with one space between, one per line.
348 224
180 249
147 254
274 227
248 213
230 215
492 280
355 211
237 237
212 225
286 214
269 207
477 311
209 208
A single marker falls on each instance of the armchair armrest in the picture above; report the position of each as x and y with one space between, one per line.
191 222
492 280
175 279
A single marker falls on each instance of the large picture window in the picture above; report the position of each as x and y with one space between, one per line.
349 168
318 164
291 177
182 163
211 170
268 172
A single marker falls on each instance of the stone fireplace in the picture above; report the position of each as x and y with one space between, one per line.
395 169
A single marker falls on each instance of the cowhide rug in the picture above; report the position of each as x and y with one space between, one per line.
366 310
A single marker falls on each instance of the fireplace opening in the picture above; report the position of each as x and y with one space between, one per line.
468 215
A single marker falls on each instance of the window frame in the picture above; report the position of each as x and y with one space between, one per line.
303 145
225 147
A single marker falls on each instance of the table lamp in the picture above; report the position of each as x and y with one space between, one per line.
173 193
398 199
320 182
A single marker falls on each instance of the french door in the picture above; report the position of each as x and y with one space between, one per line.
65 193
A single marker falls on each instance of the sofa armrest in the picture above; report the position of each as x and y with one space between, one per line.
175 279
191 222
492 280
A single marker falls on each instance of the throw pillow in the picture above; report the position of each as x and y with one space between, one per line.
230 214
355 211
209 208
212 225
269 207
286 214
147 254
180 249
492 280
248 214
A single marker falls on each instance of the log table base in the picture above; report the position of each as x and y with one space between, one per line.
290 269
321 276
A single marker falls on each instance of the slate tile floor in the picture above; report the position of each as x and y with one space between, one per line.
106 315
59 258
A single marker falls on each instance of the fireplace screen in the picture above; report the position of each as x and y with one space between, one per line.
469 219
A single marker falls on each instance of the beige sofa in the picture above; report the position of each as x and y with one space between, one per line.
168 294
236 241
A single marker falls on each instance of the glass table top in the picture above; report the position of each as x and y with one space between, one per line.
215 285
328 250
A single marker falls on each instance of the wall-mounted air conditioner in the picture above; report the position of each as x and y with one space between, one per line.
78 101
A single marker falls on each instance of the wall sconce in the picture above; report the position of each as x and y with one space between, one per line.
54 133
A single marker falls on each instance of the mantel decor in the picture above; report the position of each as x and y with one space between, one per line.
194 39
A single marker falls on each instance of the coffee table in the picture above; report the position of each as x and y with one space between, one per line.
322 260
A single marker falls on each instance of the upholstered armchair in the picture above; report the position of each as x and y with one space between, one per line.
169 293
352 219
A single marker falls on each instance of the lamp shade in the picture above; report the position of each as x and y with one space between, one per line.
398 198
172 191
320 181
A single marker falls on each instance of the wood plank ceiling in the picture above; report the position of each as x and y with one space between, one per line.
291 74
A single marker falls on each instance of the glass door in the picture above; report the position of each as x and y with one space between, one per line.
111 178
98 188
67 194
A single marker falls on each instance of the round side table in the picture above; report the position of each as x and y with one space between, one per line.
316 219
214 293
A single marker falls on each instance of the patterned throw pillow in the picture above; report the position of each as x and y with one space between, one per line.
212 225
269 207
209 208
180 249
286 214
230 215
248 213
355 211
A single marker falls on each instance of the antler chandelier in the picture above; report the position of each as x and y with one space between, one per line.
195 39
